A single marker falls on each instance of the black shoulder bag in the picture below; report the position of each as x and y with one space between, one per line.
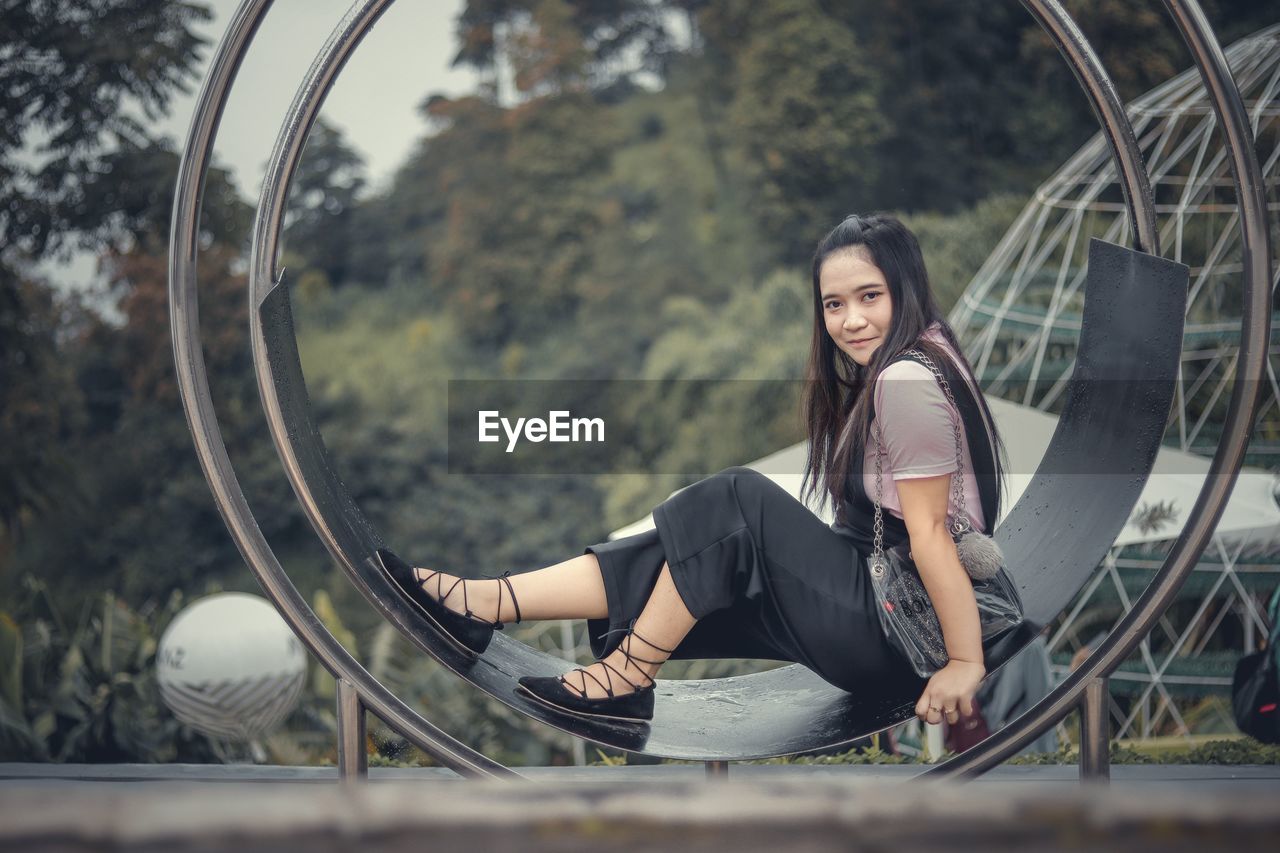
1254 688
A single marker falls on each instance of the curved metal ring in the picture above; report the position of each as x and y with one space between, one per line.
287 152
347 36
194 388
193 385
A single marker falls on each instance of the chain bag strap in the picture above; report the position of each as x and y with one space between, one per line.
907 616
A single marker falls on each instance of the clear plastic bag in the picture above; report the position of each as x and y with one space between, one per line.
907 616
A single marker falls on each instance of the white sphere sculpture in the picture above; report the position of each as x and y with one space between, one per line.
229 666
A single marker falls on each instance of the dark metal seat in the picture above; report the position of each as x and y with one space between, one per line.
1105 444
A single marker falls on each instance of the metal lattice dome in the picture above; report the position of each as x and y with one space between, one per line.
1019 319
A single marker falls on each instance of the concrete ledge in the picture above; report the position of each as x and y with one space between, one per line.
1131 776
679 811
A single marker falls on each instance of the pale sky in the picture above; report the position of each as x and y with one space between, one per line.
404 58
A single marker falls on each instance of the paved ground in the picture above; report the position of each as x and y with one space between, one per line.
1222 780
665 807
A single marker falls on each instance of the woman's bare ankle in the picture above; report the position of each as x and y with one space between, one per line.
481 596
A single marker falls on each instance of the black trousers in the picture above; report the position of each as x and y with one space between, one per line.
764 577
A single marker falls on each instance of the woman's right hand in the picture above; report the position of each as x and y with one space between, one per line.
950 691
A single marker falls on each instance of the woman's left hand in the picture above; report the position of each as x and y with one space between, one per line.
949 693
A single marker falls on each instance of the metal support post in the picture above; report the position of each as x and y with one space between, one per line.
353 761
1095 733
717 769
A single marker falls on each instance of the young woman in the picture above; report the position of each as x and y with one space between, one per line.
736 567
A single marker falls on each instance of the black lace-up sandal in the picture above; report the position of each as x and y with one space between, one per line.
563 695
470 633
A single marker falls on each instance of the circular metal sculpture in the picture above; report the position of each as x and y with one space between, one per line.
1117 403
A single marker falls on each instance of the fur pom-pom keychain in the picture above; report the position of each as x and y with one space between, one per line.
979 554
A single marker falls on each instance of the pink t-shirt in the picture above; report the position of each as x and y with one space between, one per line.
915 419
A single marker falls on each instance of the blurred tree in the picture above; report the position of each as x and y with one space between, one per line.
1138 43
40 405
548 52
322 202
134 515
953 95
75 76
551 44
80 167
502 208
955 246
86 691
58 380
979 102
805 115
127 203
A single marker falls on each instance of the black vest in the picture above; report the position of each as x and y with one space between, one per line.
859 511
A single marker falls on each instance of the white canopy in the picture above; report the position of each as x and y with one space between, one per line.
1175 481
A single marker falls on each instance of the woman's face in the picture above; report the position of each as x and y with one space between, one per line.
855 304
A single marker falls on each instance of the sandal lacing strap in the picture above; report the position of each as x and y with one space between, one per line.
610 668
505 577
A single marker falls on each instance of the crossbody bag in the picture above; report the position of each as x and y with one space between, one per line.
907 615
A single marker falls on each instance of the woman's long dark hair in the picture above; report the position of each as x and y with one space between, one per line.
837 411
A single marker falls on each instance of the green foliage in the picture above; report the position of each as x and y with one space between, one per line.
1233 751
88 691
40 404
79 166
127 200
71 67
512 207
594 223
806 117
559 42
1236 751
377 368
749 351
322 202
134 514
956 245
